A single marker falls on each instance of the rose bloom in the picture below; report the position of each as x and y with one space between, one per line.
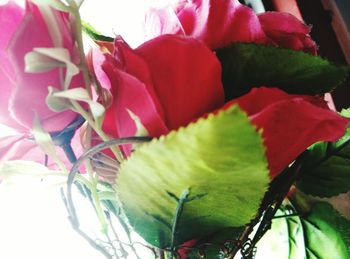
23 94
171 81
219 23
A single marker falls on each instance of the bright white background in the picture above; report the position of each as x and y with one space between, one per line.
33 220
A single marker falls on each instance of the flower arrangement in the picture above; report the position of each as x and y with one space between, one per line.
206 137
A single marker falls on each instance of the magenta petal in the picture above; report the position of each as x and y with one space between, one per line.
29 94
226 22
216 22
285 30
10 17
21 148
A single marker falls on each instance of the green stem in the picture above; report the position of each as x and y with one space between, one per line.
85 71
96 200
98 130
80 45
179 209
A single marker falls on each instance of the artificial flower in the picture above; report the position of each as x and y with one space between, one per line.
23 93
285 30
28 33
166 92
181 84
219 23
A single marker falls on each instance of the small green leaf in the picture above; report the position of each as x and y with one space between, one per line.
59 5
327 169
246 65
57 104
94 34
326 233
80 94
320 233
282 239
44 59
220 161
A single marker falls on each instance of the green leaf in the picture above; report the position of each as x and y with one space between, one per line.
218 162
94 34
326 233
57 104
326 171
321 233
246 65
281 240
77 94
54 4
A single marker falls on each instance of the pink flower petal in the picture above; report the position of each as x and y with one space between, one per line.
216 22
285 30
20 147
28 96
10 17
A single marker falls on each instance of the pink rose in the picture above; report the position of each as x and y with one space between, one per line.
219 23
23 93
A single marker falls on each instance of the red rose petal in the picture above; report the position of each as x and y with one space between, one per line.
285 30
289 123
130 94
186 77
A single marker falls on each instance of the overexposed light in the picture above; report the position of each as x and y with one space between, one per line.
120 17
33 218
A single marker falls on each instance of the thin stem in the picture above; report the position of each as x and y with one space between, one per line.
72 174
97 129
80 45
124 252
75 227
332 153
68 150
96 200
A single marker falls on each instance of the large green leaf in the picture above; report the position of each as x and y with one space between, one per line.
200 179
321 233
327 169
251 65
